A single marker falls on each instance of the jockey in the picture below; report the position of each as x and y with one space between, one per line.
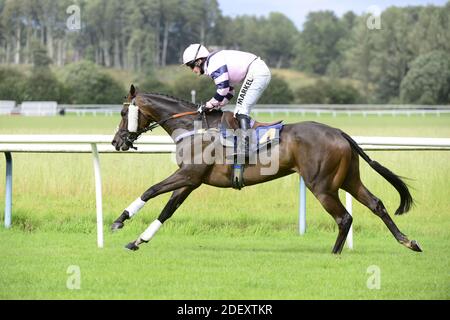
228 68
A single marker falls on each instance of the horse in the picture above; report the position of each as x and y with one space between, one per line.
326 157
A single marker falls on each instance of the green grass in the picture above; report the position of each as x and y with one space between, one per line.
177 266
220 244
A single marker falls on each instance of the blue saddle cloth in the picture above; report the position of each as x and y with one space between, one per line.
263 136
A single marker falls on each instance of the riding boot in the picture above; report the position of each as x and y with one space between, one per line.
243 147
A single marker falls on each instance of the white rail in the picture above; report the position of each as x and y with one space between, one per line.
96 144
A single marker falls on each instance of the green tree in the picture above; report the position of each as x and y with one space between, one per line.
280 34
278 92
358 60
328 92
12 84
392 52
42 85
86 84
149 84
185 83
317 45
39 54
428 80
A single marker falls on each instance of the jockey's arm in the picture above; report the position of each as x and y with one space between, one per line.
224 91
227 98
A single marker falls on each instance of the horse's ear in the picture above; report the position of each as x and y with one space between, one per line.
132 91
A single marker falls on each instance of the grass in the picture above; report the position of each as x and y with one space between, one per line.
220 244
177 266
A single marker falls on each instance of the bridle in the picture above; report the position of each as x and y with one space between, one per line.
130 137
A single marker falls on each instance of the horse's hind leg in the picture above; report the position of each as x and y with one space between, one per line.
330 201
363 195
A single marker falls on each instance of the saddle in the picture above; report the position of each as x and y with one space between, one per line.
263 135
230 122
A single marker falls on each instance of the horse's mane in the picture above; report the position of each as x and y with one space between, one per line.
176 99
173 98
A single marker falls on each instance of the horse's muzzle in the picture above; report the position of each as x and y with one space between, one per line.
119 143
123 141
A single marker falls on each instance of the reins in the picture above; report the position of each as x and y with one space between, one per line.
132 136
161 122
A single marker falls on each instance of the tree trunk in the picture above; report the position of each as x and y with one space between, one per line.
27 47
123 53
280 62
106 55
50 49
139 61
43 35
202 32
158 43
59 59
165 43
98 56
8 52
64 52
117 63
18 45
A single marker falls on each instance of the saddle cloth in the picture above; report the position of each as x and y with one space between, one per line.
261 135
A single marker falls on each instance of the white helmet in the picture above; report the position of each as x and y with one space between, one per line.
193 52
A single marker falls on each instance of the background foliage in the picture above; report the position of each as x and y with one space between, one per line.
141 36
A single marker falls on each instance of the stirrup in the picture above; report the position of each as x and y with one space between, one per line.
237 180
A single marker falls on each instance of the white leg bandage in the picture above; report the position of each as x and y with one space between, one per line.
151 230
135 207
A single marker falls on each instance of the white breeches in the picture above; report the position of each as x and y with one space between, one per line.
256 81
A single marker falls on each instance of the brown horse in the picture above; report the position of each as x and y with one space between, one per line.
327 158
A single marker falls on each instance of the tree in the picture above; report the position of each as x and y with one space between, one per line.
316 47
392 52
12 84
358 58
39 54
149 84
278 92
42 85
328 92
428 80
86 84
186 82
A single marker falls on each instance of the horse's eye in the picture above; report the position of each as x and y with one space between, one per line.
123 113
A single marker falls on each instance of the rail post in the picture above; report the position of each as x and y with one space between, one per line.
98 195
8 190
302 207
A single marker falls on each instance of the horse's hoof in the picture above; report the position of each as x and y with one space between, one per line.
415 246
132 246
116 226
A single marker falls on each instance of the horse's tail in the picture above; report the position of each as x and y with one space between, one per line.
406 200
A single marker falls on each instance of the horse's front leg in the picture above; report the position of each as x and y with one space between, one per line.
175 201
183 177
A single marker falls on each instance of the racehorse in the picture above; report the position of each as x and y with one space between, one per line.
326 158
